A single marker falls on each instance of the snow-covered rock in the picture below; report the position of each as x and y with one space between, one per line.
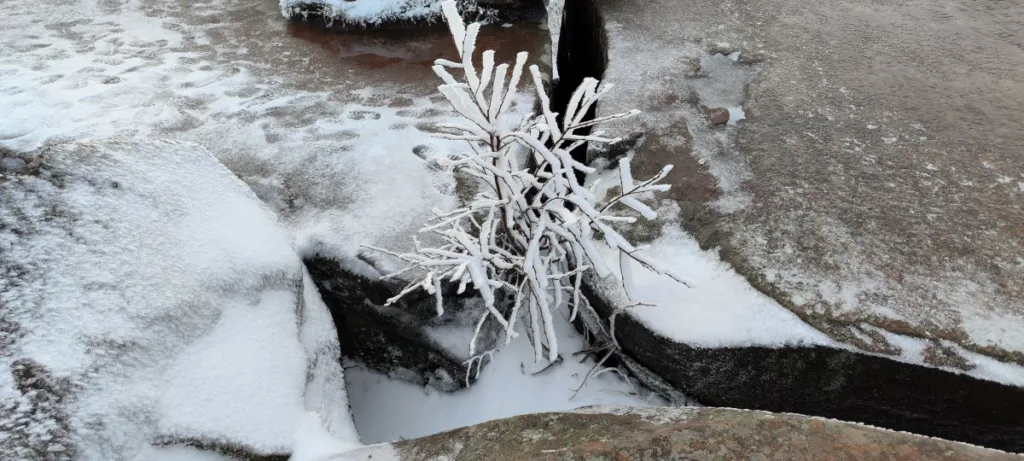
148 300
364 13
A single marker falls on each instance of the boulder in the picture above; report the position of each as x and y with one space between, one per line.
149 303
603 433
865 180
359 14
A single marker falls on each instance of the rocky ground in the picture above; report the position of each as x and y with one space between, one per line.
875 183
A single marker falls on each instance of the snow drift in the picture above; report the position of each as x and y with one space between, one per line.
150 301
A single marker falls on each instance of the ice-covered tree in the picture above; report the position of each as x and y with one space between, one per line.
532 230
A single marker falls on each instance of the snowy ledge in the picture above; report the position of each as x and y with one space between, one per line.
725 344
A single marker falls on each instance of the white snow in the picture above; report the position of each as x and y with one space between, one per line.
313 442
250 355
736 114
168 298
170 314
378 452
721 309
324 140
982 367
321 137
386 409
325 393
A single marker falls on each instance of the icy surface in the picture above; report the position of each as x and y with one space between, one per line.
387 410
674 82
322 135
148 297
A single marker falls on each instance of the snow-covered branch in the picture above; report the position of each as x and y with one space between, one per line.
533 230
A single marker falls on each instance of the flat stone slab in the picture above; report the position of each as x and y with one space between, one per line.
603 433
876 184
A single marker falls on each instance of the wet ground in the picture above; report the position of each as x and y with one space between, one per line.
322 124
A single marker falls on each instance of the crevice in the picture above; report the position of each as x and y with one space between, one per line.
582 53
391 340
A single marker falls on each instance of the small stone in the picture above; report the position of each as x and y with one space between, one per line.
723 49
718 116
693 67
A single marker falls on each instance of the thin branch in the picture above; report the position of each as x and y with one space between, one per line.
535 250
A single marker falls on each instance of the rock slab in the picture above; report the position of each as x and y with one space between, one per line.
876 184
866 180
610 433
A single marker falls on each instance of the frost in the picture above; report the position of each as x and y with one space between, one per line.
532 231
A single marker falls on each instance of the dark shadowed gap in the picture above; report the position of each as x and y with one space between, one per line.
582 53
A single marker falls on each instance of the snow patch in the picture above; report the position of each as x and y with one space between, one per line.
154 299
736 114
250 356
659 78
721 309
387 410
314 443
